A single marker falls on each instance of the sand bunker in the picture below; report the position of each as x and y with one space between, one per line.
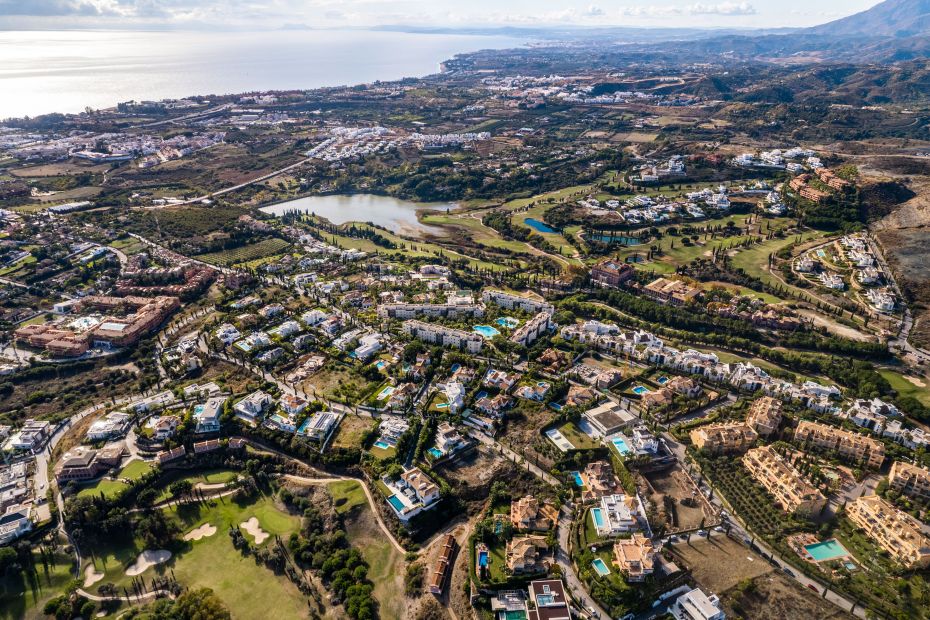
252 527
147 559
201 532
91 576
916 381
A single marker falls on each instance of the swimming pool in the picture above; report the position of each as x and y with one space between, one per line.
198 409
826 550
507 321
620 445
538 226
455 367
385 392
481 395
436 452
485 331
245 346
821 254
662 380
380 364
383 445
577 476
640 390
597 517
396 503
482 558
600 567
442 405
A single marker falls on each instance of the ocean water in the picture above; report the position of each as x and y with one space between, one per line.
66 71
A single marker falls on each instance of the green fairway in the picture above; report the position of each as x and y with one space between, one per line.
347 495
907 385
135 470
109 488
23 597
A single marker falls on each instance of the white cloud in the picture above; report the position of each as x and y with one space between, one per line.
594 11
723 8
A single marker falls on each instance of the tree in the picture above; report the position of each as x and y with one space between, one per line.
181 488
200 604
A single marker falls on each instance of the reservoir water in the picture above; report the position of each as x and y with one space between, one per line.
396 215
66 71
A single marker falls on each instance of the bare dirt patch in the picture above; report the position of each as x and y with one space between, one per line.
203 531
678 504
719 563
774 597
255 530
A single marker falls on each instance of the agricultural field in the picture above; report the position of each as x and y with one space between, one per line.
262 249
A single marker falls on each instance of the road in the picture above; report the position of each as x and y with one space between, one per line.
564 560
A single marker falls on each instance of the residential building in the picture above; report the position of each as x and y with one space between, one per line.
727 438
500 379
253 406
635 557
163 427
319 426
765 415
111 426
895 531
445 336
509 301
81 464
208 415
413 493
599 480
851 446
523 554
292 404
15 522
30 436
609 418
696 605
549 601
791 491
527 514
618 514
447 310
533 329
166 456
448 439
910 480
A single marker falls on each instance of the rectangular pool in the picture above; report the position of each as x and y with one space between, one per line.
826 550
597 517
436 452
382 445
639 390
620 445
600 567
396 503
577 476
482 558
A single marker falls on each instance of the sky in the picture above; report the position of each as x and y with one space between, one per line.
271 14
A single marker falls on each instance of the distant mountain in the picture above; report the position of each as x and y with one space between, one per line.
892 18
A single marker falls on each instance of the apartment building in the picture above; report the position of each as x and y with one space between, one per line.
509 301
671 291
765 415
445 336
530 331
791 491
723 438
410 311
851 446
893 530
910 480
443 566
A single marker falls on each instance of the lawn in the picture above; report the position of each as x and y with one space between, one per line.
386 563
903 385
580 440
381 453
212 562
109 488
135 470
22 598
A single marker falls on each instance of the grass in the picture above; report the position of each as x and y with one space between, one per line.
211 476
24 598
109 488
578 438
903 387
212 562
347 495
135 470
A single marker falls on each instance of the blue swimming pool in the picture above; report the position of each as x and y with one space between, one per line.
826 550
442 405
485 331
382 445
436 452
577 476
600 567
455 367
640 390
482 558
507 321
539 226
481 395
621 446
380 364
396 503
597 517
662 380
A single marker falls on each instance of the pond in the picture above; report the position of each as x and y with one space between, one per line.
396 215
539 226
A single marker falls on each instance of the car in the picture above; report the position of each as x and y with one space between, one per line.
718 529
787 571
813 587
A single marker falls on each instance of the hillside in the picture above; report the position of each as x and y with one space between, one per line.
892 18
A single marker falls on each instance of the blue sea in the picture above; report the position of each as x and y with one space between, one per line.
68 71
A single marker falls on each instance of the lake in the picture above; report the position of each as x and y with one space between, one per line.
399 216
66 71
